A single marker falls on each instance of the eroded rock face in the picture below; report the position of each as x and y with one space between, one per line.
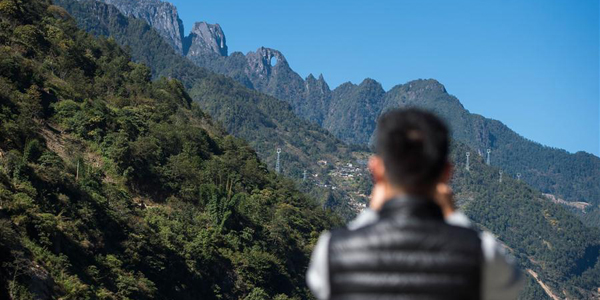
205 39
264 61
162 16
315 99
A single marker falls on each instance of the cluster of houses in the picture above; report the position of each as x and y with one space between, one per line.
343 170
348 170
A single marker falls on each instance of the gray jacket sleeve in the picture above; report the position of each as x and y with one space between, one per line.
501 279
317 276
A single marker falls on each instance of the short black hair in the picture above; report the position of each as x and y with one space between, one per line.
414 146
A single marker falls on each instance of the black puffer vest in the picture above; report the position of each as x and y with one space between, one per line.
410 253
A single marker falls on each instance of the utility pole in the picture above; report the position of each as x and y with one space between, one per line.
77 173
488 156
278 163
304 175
500 172
468 154
519 176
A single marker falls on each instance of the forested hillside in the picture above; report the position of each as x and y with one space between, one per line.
113 186
158 181
265 122
544 236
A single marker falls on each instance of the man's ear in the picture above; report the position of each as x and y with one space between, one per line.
447 173
377 169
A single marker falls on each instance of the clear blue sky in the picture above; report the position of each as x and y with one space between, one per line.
533 65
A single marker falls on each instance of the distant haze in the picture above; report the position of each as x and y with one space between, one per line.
533 65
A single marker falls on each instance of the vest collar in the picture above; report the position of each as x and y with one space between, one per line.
411 206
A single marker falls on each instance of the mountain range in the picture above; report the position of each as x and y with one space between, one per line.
350 110
124 187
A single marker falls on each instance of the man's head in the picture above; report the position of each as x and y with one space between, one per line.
412 148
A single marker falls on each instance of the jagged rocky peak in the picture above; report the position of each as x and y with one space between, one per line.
367 85
426 84
322 79
312 83
162 16
418 90
264 60
312 77
372 84
205 39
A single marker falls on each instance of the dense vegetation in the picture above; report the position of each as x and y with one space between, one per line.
265 122
116 187
544 236
354 109
162 189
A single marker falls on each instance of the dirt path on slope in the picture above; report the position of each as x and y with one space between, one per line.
543 285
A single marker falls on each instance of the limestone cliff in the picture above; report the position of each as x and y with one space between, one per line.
161 15
205 39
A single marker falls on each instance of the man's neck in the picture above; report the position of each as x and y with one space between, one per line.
395 192
391 192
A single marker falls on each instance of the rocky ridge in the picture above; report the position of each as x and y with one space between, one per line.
161 15
205 39
349 111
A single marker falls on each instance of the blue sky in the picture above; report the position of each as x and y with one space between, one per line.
533 65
